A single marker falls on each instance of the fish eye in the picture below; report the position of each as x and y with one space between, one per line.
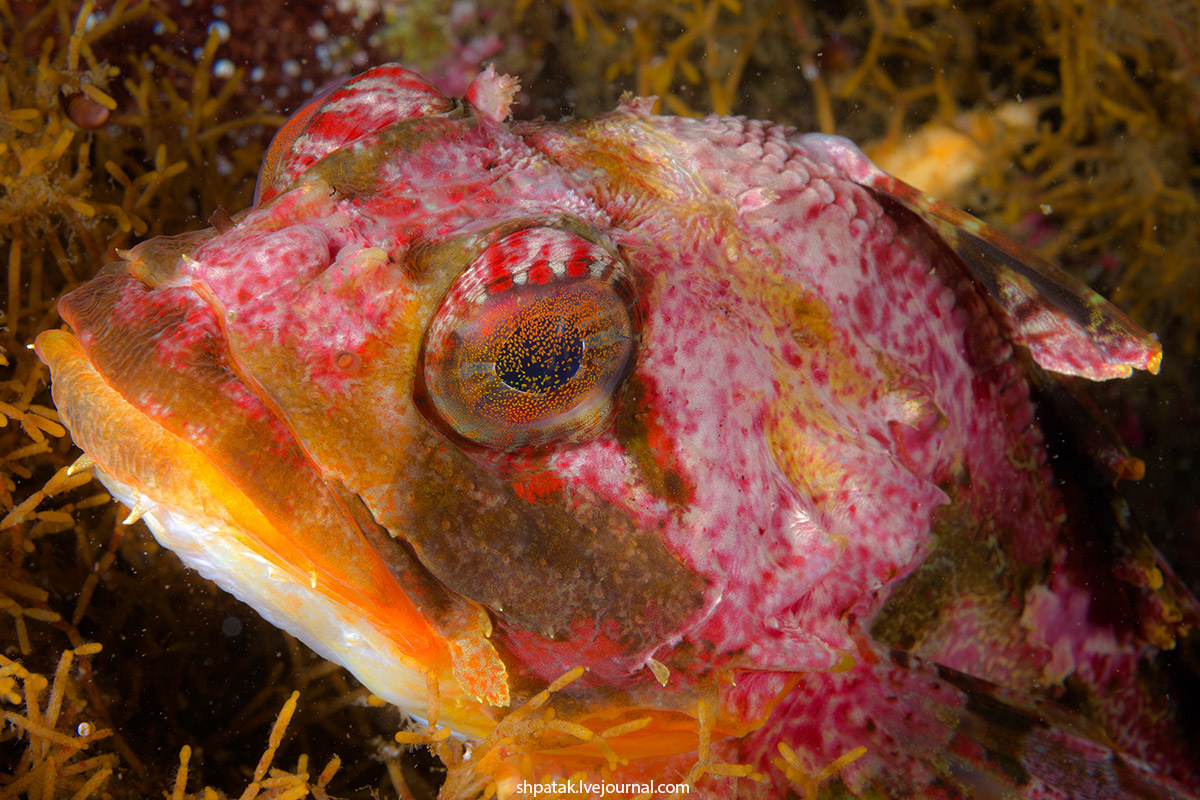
531 343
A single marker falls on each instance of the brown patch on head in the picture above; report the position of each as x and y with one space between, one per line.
643 437
562 568
813 324
356 169
968 560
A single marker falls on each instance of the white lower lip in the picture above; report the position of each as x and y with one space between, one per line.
295 606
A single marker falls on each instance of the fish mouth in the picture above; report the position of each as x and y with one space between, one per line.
148 389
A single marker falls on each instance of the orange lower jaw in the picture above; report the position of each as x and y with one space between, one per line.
346 605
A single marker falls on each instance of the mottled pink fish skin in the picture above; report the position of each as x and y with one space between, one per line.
817 455
885 297
390 95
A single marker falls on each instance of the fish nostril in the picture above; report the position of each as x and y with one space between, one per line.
349 362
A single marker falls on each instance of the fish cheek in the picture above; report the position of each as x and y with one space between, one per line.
577 573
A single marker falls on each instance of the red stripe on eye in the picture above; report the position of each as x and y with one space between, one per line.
540 274
577 267
496 270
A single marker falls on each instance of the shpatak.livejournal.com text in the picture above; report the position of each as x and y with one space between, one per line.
597 788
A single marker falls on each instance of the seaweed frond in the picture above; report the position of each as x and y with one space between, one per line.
58 733
95 141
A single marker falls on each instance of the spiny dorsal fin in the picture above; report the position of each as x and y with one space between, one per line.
1067 327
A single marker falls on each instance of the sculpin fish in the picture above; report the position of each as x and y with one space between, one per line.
740 446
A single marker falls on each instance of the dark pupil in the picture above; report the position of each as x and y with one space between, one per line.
542 354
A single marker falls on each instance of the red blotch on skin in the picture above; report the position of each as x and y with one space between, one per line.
537 486
864 306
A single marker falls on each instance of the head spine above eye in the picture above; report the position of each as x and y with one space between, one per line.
532 342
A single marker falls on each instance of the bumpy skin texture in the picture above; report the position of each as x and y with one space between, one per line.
816 492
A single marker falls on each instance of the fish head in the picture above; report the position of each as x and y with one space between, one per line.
410 408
